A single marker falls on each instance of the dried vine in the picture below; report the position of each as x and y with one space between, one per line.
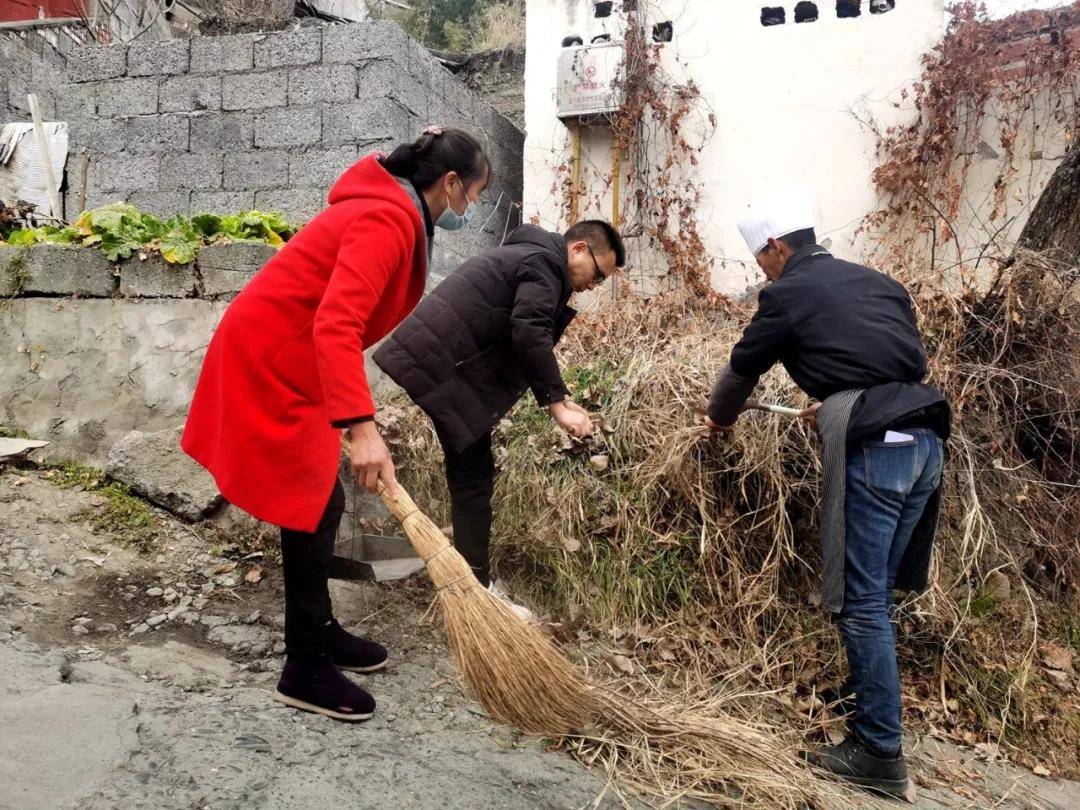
983 92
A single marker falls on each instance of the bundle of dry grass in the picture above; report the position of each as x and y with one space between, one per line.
697 558
521 678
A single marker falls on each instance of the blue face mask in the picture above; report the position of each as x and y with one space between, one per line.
451 220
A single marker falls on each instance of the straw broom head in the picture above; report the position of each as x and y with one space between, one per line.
512 668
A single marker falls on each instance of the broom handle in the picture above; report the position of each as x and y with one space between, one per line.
401 505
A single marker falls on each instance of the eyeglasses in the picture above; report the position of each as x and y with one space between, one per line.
599 278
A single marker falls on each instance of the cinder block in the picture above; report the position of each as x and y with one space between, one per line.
255 91
153 277
12 270
360 41
157 57
162 204
365 120
385 77
301 47
127 97
226 269
189 93
221 202
288 127
257 170
320 168
154 134
95 62
323 83
64 270
295 204
123 172
99 135
223 54
225 131
191 171
77 103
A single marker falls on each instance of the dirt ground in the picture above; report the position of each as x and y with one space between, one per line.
141 679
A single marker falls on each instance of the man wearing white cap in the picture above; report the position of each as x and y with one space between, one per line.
847 336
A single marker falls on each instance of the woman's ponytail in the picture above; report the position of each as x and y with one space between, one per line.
435 153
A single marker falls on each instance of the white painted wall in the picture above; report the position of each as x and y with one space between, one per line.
785 98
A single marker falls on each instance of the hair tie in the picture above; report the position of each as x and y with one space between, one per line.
433 129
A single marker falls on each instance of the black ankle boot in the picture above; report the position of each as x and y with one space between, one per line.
352 653
314 684
853 761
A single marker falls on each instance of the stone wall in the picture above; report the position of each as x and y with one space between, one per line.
266 121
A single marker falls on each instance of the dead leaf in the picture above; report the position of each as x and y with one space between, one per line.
1057 657
622 663
1040 770
254 576
571 545
224 568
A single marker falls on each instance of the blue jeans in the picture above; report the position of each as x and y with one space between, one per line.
888 485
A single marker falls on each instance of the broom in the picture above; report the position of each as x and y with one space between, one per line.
521 678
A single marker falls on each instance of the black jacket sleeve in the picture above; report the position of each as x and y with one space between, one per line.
532 323
729 395
765 341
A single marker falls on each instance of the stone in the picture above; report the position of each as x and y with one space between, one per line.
257 170
253 618
80 630
234 635
153 277
324 84
279 648
226 268
191 171
154 134
105 627
66 569
365 120
140 628
222 131
127 97
255 91
223 54
154 621
156 57
320 168
288 127
63 270
153 465
301 47
94 62
155 592
123 172
190 93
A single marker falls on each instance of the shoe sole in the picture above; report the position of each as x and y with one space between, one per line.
311 707
896 788
362 670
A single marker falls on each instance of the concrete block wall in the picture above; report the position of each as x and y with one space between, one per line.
269 121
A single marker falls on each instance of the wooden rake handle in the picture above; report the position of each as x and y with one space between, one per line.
754 405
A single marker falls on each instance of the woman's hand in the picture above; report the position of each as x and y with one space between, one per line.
370 458
574 420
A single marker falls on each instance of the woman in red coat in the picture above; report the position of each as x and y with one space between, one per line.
284 375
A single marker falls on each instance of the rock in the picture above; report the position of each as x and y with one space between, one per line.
154 592
199 602
175 612
80 630
105 627
63 667
279 648
153 465
998 587
84 620
234 635
253 618
3 593
260 649
154 621
66 569
141 628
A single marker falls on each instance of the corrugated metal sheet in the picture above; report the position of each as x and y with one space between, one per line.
22 172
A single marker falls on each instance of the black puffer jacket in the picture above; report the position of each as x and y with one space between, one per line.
470 349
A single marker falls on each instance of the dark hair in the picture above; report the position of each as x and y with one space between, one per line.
435 153
599 235
796 240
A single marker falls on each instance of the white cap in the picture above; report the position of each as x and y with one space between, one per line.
776 216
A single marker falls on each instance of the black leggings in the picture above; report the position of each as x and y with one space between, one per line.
470 477
305 561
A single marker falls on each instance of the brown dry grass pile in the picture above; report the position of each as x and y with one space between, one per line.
692 562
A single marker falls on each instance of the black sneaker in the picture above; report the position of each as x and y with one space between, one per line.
854 762
314 684
352 653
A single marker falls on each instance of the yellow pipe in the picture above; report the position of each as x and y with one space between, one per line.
575 171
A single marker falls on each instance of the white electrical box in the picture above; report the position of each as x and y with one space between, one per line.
589 79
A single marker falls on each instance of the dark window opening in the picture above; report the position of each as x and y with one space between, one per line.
805 12
773 15
572 40
629 5
881 6
600 38
846 9
663 32
602 9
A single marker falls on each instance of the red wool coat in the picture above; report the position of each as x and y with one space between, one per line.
287 359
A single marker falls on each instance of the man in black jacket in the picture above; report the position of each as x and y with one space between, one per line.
847 336
471 348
